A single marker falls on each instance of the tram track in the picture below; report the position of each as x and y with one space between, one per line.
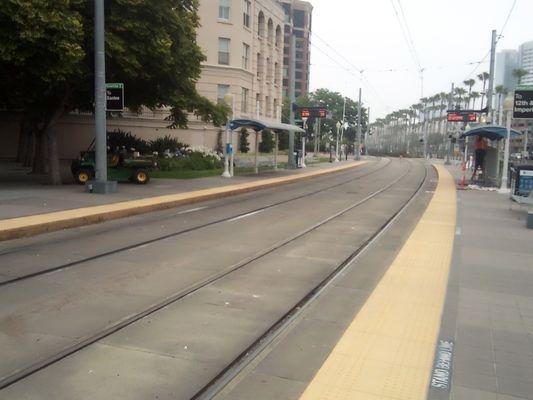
118 325
144 243
239 365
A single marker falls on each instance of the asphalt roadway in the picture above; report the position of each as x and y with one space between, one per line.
240 264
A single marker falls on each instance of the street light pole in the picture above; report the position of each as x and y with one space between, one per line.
303 141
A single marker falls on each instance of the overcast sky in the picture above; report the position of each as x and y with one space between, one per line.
447 36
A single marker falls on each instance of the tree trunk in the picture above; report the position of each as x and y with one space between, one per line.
54 173
38 162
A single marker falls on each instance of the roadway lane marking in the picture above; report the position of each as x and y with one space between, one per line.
387 352
191 210
245 215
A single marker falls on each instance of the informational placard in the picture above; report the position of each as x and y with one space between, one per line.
523 102
114 96
441 375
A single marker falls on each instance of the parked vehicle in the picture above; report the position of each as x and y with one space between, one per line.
121 166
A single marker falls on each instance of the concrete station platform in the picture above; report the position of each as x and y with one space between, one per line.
30 211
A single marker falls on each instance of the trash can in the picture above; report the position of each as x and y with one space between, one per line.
523 180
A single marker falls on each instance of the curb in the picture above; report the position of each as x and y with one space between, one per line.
20 227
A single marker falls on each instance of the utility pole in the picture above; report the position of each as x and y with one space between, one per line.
356 149
292 94
101 184
490 91
449 154
367 132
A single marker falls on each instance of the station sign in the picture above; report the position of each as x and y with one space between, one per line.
523 102
114 96
313 112
461 116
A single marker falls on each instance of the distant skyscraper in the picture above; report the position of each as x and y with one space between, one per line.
506 62
298 20
526 62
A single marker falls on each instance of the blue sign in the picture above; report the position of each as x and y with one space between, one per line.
229 149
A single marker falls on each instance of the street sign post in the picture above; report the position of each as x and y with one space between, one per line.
523 102
114 96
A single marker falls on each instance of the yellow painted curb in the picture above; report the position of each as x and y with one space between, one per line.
387 351
36 224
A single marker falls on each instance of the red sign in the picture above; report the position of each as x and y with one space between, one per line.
313 112
462 117
305 113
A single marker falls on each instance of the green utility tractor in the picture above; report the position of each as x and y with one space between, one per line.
121 166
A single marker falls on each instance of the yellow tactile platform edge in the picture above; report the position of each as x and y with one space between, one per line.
387 351
36 224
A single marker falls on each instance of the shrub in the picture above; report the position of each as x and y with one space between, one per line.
244 144
195 161
161 144
267 141
119 138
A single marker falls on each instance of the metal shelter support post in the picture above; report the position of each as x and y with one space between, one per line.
447 133
276 145
101 184
256 169
292 94
505 169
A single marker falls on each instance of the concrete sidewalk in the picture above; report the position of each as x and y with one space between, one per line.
489 307
29 209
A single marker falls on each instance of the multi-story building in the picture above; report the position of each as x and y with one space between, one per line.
526 62
506 63
298 21
243 43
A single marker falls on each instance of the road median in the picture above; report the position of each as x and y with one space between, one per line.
37 224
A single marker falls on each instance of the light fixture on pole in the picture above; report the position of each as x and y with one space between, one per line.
508 105
228 148
338 125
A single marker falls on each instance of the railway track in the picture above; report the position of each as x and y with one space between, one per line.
247 356
82 261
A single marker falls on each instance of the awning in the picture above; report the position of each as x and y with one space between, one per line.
258 125
492 132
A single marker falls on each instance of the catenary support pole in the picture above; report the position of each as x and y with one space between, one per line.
446 131
357 149
490 91
101 185
292 96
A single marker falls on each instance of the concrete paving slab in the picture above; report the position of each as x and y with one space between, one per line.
112 373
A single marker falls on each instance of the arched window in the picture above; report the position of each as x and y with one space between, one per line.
261 24
270 31
279 36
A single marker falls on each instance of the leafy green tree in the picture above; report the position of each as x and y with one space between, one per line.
46 48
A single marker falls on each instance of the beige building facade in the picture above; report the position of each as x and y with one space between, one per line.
243 43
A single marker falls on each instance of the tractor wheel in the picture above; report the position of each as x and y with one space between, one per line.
141 176
83 175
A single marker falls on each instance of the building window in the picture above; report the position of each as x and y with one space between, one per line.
258 104
299 19
244 100
268 110
246 13
261 25
259 65
222 90
276 74
223 51
223 9
276 111
245 56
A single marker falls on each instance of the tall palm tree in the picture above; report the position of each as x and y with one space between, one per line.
519 73
474 96
500 91
460 92
470 83
483 77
